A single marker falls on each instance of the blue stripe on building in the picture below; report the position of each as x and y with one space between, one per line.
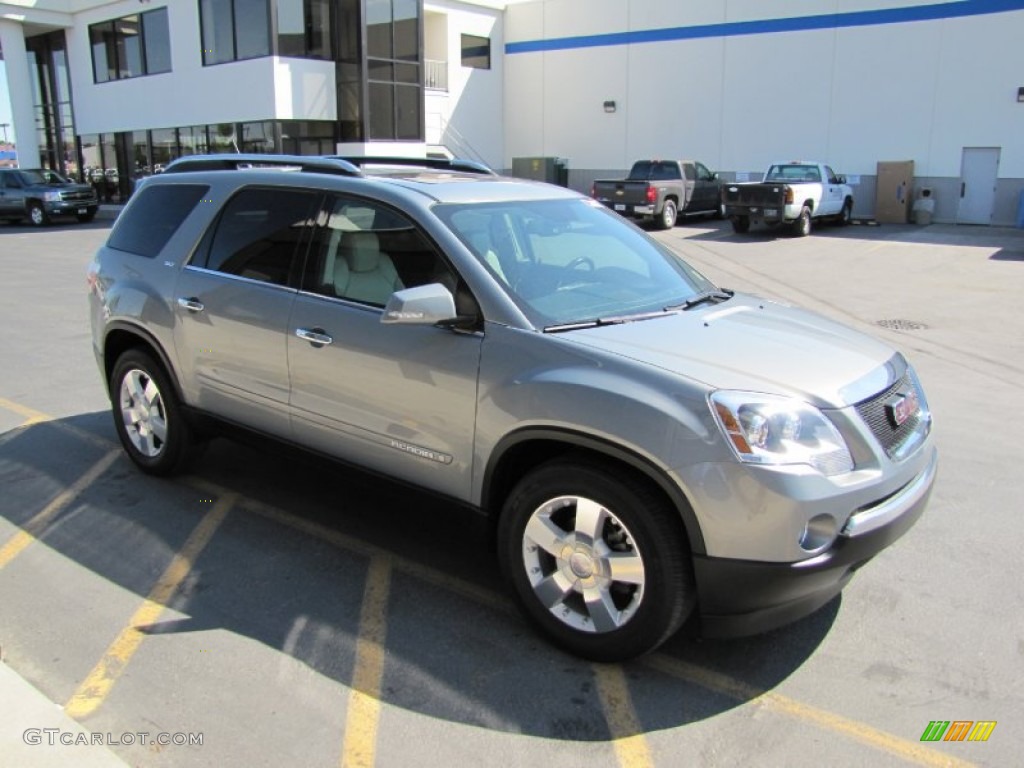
931 12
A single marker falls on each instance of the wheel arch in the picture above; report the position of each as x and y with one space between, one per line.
521 451
120 337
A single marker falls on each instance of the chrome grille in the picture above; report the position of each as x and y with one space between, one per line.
77 195
873 412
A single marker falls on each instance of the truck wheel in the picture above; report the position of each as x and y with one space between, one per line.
596 559
37 215
802 226
846 215
740 224
668 217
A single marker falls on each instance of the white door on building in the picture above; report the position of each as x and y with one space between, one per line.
979 171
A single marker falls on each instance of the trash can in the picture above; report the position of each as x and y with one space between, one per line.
924 207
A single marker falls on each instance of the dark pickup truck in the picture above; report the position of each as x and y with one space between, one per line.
37 194
662 190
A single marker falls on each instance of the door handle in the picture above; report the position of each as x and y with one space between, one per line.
963 188
315 336
192 304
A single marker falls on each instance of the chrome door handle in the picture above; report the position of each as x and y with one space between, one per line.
191 303
314 336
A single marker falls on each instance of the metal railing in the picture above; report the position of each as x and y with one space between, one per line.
435 74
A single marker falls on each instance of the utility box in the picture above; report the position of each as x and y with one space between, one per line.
553 170
893 191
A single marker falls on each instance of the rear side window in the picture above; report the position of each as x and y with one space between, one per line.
153 217
259 233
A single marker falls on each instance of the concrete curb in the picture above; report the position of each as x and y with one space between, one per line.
24 714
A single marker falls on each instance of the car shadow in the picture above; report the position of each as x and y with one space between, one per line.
288 567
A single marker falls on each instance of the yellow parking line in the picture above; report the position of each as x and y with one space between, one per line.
34 528
363 715
895 746
24 411
631 749
97 685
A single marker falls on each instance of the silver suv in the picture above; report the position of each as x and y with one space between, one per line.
649 447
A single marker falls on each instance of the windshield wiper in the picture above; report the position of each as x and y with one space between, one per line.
702 298
615 320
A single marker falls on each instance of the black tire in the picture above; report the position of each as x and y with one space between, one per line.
846 215
740 224
155 451
37 215
85 218
802 225
669 215
633 523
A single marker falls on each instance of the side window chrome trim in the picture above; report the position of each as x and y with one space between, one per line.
229 276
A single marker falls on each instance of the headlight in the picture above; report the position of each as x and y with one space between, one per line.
767 429
51 196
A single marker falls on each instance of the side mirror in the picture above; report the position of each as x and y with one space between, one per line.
423 305
714 176
840 179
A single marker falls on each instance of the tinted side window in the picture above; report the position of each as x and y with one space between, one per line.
153 217
259 233
366 252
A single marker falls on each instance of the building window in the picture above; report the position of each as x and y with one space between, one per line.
234 30
393 66
304 28
131 46
476 52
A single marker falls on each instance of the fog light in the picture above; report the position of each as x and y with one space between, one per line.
818 533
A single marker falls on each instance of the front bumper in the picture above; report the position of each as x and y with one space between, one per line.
742 597
71 207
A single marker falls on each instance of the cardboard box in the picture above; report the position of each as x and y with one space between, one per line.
894 191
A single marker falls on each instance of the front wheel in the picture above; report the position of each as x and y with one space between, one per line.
600 564
802 226
37 215
846 215
669 214
148 416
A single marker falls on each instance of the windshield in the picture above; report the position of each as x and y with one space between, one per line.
572 260
42 176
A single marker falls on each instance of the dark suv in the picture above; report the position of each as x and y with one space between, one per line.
648 446
37 194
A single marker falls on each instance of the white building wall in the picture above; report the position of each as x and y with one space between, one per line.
467 118
742 97
191 94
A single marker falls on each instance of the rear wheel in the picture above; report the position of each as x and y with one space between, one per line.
802 226
669 214
740 224
148 416
597 560
37 215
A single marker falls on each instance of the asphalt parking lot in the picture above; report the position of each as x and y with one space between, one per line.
268 609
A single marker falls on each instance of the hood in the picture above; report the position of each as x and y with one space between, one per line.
752 344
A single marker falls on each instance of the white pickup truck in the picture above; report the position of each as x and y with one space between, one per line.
791 193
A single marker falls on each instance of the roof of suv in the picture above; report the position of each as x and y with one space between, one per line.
454 181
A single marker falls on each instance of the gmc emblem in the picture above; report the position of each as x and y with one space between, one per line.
901 407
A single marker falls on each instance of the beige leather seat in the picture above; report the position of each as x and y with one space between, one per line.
363 272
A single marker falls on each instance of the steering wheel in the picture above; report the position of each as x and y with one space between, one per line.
579 261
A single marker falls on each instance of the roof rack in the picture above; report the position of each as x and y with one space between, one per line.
311 164
439 163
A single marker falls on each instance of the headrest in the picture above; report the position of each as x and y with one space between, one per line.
362 251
